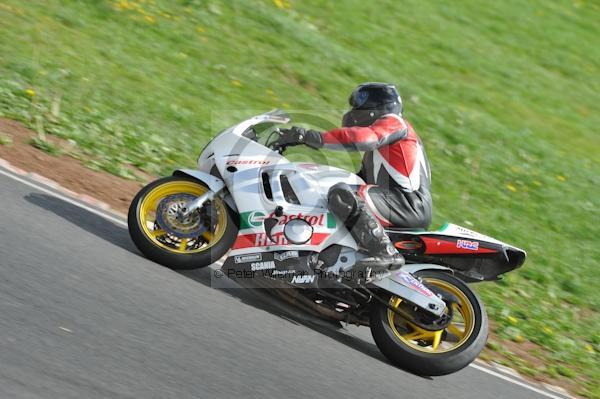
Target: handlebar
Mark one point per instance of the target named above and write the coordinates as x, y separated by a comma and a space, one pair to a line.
276, 145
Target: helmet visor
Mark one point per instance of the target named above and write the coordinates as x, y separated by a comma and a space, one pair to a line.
373, 96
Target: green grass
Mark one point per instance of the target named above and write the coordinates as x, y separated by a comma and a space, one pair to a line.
5, 140
504, 94
41, 143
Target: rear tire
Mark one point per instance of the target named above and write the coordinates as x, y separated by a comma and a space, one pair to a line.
172, 256
415, 355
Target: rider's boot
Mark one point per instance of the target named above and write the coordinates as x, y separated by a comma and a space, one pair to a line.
369, 233
365, 229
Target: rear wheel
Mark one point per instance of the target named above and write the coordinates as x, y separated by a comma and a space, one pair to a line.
433, 352
163, 236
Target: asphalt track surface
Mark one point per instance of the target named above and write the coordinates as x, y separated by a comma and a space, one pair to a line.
84, 315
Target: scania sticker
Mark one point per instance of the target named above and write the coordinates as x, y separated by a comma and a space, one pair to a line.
262, 265
285, 255
247, 258
466, 244
304, 279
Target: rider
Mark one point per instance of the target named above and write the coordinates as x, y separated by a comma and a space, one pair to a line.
394, 167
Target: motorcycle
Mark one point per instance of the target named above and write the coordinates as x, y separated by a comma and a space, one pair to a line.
268, 218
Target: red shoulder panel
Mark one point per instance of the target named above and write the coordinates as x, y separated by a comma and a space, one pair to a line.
402, 155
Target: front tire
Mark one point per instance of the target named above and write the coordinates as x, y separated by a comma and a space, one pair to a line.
199, 240
433, 352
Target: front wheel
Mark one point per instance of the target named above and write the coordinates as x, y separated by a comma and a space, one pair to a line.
158, 230
438, 352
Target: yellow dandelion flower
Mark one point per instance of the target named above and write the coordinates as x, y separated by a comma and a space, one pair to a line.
519, 338
30, 92
561, 178
279, 3
547, 330
589, 348
150, 19
124, 5
236, 83
511, 188
513, 320
200, 29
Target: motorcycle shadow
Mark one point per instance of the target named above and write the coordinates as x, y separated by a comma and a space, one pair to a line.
88, 221
265, 300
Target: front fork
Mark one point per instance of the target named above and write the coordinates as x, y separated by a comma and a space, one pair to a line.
214, 184
195, 204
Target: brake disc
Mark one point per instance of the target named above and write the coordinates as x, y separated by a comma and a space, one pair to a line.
168, 217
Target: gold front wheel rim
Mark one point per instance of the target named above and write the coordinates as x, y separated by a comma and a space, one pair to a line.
452, 337
170, 242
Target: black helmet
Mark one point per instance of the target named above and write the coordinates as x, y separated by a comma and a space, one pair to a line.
370, 101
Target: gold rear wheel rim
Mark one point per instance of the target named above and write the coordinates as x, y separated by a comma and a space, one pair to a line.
170, 242
452, 337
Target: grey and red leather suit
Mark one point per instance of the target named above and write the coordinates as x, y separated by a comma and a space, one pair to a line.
395, 168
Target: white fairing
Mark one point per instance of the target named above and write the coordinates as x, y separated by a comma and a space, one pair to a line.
247, 167
462, 232
260, 180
